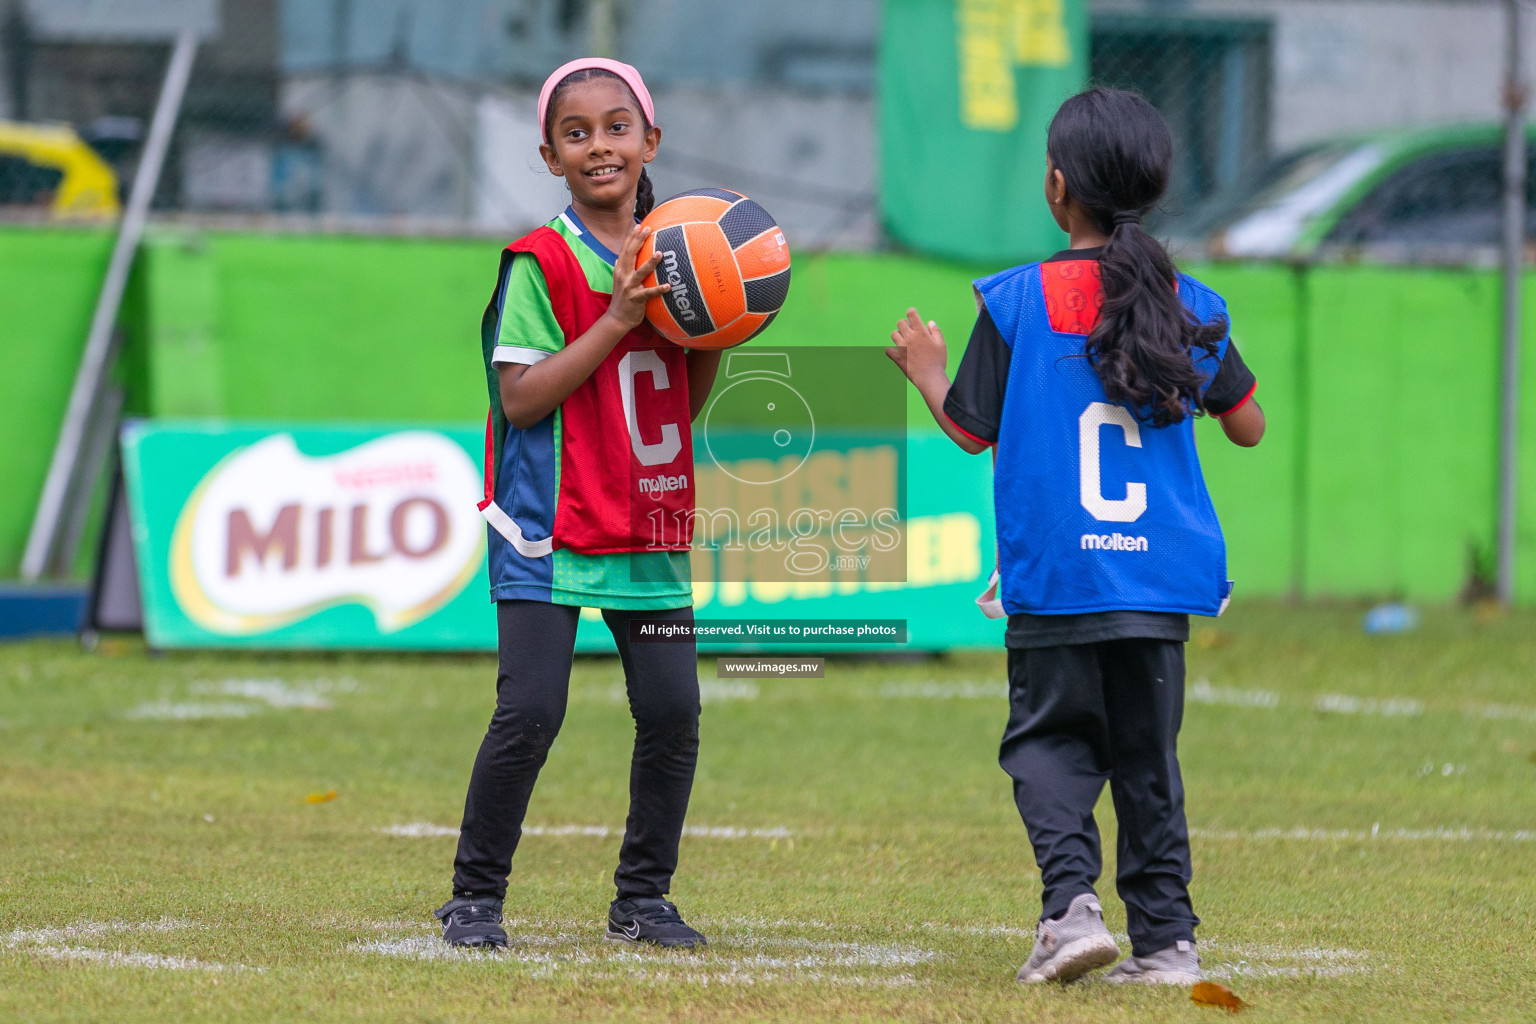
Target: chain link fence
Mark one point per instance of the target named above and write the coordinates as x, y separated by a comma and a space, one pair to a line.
417, 115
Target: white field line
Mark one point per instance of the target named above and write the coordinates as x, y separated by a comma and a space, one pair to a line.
90, 930
184, 711
751, 924
422, 947
1225, 960
426, 830
1390, 707
731, 832
995, 930
820, 953
746, 978
423, 829
1239, 960
254, 697
1375, 832
116, 958
277, 693
1501, 712
52, 943
713, 691
420, 830
936, 690
1202, 692
740, 955
733, 959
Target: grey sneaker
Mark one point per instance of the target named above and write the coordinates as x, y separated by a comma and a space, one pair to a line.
1069, 946
1177, 964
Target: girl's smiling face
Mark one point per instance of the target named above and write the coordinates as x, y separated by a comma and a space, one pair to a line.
599, 143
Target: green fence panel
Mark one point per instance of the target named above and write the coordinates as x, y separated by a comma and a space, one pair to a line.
1525, 549
1401, 394
328, 328
49, 280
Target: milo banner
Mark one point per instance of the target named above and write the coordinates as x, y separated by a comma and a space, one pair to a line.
967, 88
369, 537
323, 537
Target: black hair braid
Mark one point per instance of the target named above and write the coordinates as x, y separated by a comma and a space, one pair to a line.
645, 192
1114, 151
645, 195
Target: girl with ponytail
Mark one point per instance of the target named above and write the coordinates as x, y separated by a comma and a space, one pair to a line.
570, 436
1084, 374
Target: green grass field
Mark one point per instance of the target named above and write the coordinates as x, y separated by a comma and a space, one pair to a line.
1364, 838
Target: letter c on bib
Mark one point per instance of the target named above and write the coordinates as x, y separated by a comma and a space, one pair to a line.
1120, 510
645, 360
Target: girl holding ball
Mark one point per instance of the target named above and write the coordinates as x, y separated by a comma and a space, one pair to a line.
586, 399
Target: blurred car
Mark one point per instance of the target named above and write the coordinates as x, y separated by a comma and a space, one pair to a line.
1405, 194
48, 166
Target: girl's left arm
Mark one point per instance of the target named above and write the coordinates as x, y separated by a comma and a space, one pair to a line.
1244, 425
919, 349
703, 364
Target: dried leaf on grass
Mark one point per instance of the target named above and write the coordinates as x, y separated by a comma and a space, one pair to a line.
321, 798
1211, 639
1208, 993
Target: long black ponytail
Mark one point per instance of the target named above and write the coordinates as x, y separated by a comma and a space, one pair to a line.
645, 192
1114, 151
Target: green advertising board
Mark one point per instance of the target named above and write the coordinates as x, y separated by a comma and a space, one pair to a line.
355, 537
331, 537
967, 89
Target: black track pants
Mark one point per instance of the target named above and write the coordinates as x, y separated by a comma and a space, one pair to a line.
1079, 716
536, 641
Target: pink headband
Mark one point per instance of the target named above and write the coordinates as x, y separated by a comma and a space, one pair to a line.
630, 76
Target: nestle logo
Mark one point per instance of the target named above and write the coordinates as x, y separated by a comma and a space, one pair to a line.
679, 293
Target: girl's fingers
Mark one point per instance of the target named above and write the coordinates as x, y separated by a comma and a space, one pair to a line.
633, 242
652, 293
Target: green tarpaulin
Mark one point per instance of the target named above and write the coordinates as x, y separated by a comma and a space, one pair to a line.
967, 88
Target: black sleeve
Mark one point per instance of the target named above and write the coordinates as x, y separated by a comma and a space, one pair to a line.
1232, 385
975, 399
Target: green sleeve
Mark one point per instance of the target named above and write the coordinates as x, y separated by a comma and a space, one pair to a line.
527, 320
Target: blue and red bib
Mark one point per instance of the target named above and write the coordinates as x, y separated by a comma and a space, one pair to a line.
611, 470
1097, 510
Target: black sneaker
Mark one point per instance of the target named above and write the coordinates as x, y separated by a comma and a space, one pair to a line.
472, 921
650, 919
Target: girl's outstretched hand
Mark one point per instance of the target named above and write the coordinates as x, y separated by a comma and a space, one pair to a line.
629, 292
918, 348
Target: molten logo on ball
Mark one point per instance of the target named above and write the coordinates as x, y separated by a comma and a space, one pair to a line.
679, 292
727, 263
